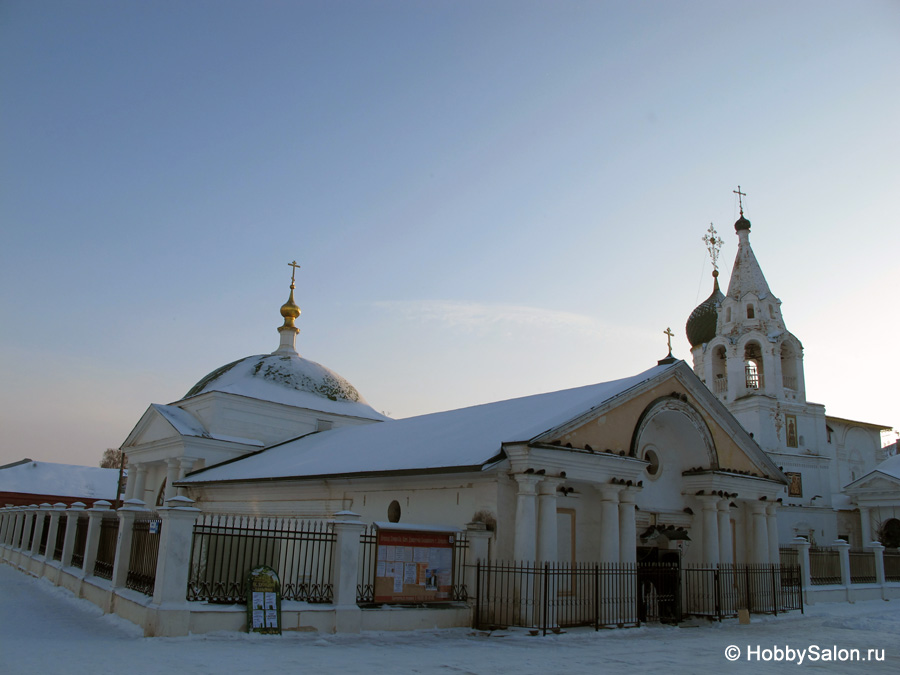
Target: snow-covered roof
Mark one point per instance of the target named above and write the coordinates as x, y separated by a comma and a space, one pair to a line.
288, 379
467, 437
188, 425
63, 480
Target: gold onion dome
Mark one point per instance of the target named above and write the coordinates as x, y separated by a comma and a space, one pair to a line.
701, 325
290, 310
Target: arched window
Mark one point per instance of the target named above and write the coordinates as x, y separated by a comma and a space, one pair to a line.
719, 370
750, 312
753, 366
789, 366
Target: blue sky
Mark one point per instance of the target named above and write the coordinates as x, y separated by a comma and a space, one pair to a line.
488, 199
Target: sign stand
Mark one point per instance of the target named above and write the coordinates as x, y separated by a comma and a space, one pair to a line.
263, 601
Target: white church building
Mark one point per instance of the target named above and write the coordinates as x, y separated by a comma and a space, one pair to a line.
744, 353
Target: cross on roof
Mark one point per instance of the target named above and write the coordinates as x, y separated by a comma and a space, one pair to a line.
668, 331
714, 245
740, 201
293, 271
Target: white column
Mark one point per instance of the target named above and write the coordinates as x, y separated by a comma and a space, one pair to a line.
129, 482
140, 482
865, 526
802, 547
547, 536
172, 468
772, 532
627, 526
760, 550
726, 545
878, 552
185, 466
710, 528
479, 542
844, 552
609, 522
525, 546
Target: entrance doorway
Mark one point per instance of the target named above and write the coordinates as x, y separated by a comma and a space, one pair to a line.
659, 584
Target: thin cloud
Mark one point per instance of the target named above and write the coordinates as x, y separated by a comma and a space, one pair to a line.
477, 316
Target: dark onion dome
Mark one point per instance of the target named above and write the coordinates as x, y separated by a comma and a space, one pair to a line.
741, 223
701, 324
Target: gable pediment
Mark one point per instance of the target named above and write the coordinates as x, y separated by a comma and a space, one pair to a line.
714, 439
874, 482
156, 426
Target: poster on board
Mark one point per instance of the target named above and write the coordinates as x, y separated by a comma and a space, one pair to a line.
413, 564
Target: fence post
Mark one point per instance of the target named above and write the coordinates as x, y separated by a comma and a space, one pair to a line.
878, 552
479, 539
5, 514
72, 516
345, 571
92, 543
26, 529
844, 551
127, 514
39, 528
802, 546
173, 566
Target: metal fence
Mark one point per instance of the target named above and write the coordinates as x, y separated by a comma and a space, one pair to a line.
558, 595
225, 548
60, 537
720, 591
45, 531
81, 529
824, 566
892, 566
106, 548
145, 535
862, 566
368, 554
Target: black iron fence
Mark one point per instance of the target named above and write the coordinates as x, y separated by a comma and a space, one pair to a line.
368, 553
141, 575
225, 548
81, 529
559, 595
862, 566
45, 531
824, 566
60, 537
720, 591
892, 565
106, 547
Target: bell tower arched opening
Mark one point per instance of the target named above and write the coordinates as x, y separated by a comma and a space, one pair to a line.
754, 377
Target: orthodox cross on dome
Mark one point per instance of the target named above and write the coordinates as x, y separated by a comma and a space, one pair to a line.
714, 245
740, 195
293, 271
669, 358
669, 333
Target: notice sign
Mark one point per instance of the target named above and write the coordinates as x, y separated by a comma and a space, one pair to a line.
263, 601
414, 566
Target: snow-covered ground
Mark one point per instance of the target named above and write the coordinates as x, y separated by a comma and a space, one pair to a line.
44, 629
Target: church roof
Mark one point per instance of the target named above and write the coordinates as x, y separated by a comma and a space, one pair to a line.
467, 437
63, 480
701, 324
746, 275
287, 378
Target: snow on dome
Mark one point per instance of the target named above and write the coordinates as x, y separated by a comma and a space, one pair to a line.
289, 379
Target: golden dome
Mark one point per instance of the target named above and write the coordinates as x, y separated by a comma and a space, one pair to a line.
290, 311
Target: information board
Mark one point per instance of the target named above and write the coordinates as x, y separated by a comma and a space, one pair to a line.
414, 566
263, 601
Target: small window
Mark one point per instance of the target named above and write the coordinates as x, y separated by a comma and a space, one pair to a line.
393, 513
728, 315
653, 468
771, 312
750, 313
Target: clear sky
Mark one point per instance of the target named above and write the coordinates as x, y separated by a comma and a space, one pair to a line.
488, 199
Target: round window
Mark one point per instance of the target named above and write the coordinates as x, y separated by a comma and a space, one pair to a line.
653, 467
394, 512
